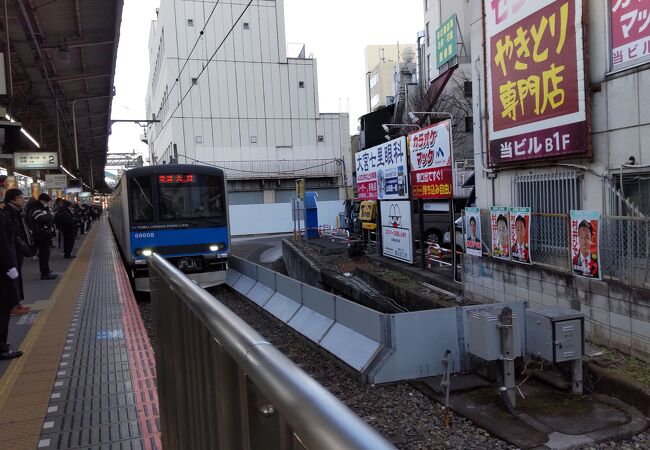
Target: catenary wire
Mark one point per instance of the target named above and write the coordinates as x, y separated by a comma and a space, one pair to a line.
171, 116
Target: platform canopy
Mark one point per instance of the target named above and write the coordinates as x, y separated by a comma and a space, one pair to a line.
63, 53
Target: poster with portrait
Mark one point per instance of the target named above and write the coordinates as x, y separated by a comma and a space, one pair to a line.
500, 227
585, 248
520, 235
473, 244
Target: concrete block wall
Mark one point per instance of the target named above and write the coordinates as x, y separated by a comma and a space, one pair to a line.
616, 315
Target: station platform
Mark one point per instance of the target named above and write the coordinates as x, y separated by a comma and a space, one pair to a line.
87, 378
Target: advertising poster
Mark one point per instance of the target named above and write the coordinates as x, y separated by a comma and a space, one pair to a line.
446, 46
500, 227
520, 235
396, 239
629, 23
382, 172
535, 80
473, 244
430, 151
585, 246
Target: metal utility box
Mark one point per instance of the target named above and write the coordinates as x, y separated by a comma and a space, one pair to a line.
485, 336
555, 333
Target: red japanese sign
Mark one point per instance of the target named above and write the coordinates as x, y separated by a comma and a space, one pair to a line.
430, 151
535, 78
630, 31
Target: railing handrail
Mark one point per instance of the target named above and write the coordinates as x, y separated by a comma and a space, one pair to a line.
319, 419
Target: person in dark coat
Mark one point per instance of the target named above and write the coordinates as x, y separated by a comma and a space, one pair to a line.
8, 283
43, 231
66, 224
13, 207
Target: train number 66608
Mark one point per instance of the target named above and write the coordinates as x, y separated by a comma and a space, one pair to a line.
144, 235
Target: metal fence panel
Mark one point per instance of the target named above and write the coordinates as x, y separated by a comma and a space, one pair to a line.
310, 324
625, 249
353, 348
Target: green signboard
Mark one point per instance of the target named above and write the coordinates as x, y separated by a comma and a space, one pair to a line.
446, 47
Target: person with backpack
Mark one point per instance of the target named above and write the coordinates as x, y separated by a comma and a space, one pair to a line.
42, 224
8, 281
67, 227
12, 208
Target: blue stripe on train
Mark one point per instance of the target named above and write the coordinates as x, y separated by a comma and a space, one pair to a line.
188, 236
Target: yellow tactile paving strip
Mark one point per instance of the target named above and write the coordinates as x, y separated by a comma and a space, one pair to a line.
27, 384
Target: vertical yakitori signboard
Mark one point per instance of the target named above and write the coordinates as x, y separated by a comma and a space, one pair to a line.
430, 152
585, 248
382, 172
629, 24
535, 80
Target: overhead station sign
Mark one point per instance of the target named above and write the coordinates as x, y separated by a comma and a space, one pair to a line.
430, 152
382, 172
535, 80
36, 160
56, 181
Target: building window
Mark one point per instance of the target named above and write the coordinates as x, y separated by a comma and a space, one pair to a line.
551, 197
190, 22
374, 101
427, 34
549, 193
635, 188
374, 80
301, 84
247, 26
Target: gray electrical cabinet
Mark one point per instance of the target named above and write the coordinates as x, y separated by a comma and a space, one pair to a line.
554, 333
484, 334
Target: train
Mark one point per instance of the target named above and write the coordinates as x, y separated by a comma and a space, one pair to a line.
178, 211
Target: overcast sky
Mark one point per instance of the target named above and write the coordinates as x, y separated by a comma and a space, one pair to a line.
336, 32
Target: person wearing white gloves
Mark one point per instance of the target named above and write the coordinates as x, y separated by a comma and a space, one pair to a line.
9, 296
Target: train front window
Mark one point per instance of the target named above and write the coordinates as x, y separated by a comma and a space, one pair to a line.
190, 196
141, 204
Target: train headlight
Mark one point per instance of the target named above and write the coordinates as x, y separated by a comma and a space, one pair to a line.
147, 252
217, 247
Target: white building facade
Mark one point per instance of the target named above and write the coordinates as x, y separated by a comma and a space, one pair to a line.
226, 94
607, 171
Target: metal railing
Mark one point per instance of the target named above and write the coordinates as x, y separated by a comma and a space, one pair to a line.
223, 386
625, 249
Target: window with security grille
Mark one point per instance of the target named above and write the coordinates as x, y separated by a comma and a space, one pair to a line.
548, 193
551, 197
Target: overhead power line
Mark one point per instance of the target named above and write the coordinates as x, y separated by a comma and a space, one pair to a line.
205, 66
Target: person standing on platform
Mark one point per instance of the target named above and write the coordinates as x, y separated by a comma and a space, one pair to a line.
42, 229
8, 282
67, 227
24, 245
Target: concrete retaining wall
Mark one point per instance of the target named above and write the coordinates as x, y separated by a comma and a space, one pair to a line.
616, 315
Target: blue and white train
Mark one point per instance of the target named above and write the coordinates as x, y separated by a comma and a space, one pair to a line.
178, 211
